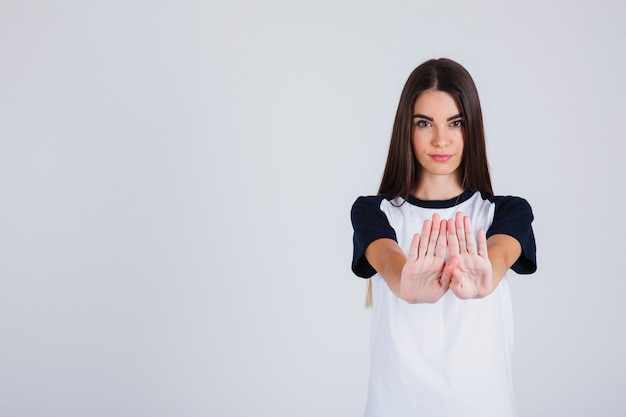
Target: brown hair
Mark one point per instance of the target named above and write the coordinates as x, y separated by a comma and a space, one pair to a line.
402, 175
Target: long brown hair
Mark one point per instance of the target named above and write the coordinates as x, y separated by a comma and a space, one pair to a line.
402, 174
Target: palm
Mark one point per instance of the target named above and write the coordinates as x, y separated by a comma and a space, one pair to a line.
421, 275
469, 269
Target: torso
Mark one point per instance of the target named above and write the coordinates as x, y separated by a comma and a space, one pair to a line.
448, 358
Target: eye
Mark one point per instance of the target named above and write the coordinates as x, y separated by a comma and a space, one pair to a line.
457, 123
422, 123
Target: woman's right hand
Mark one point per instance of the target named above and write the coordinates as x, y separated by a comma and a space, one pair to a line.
421, 279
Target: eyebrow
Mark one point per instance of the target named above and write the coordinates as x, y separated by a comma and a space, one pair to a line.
421, 116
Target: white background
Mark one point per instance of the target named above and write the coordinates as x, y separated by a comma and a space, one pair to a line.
176, 179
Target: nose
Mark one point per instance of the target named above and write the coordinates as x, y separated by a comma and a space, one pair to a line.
440, 138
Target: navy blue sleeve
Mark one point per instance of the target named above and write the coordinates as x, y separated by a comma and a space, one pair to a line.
369, 224
513, 217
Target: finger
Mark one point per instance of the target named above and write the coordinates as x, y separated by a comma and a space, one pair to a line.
453, 240
412, 256
460, 231
442, 240
482, 244
470, 240
434, 234
423, 245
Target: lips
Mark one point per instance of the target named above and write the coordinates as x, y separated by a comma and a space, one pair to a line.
441, 157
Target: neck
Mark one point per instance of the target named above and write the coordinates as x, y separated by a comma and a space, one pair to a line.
438, 189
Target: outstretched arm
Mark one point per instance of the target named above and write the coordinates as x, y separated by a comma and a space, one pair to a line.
476, 266
416, 278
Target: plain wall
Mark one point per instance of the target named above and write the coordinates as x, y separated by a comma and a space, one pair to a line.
176, 179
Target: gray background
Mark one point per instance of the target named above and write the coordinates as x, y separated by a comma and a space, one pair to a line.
176, 180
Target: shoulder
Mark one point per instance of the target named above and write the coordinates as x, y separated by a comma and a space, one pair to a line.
378, 205
367, 205
503, 199
368, 201
508, 205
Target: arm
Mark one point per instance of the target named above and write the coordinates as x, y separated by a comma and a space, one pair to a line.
503, 251
387, 258
416, 278
476, 267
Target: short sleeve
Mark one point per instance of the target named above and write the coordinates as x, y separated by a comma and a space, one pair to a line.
513, 216
369, 224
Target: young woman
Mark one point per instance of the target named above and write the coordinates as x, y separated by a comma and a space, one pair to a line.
442, 330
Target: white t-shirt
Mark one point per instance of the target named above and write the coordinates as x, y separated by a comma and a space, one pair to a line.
450, 358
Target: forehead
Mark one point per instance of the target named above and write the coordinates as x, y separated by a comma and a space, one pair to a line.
435, 102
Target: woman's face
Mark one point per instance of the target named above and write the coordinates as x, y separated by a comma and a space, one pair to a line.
438, 134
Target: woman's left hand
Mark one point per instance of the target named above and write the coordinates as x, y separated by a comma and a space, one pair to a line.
468, 268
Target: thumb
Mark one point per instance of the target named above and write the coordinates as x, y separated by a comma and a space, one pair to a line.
448, 271
456, 275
